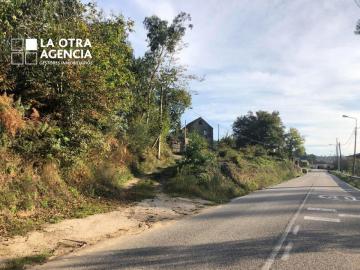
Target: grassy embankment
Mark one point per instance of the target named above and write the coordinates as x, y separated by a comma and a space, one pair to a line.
347, 178
229, 173
30, 197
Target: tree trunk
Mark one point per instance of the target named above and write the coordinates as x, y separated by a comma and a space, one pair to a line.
161, 114
150, 82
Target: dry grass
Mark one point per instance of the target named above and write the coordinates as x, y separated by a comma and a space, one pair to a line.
10, 118
50, 173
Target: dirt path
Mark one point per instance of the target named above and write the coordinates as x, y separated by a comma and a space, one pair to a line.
72, 234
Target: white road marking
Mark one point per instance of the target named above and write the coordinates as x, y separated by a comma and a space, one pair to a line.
270, 261
287, 250
330, 197
321, 209
339, 198
349, 215
296, 229
350, 198
322, 219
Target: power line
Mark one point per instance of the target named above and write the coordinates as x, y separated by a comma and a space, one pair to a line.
348, 140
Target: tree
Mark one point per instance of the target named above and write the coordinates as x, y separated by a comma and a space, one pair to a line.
162, 82
310, 157
294, 143
86, 102
357, 28
262, 128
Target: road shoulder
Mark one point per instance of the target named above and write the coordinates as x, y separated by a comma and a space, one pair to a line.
70, 235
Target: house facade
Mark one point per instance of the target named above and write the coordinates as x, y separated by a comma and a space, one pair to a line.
201, 127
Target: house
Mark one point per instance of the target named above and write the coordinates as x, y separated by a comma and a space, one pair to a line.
201, 127
323, 166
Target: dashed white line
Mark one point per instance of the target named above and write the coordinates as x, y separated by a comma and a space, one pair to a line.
296, 229
287, 250
321, 209
321, 219
349, 215
269, 262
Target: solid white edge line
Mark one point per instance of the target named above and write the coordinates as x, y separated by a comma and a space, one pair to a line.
355, 188
321, 209
269, 262
322, 219
349, 215
286, 254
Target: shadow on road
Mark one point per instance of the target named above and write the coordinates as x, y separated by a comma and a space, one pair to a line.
215, 254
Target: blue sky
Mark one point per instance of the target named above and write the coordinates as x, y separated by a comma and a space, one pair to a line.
299, 57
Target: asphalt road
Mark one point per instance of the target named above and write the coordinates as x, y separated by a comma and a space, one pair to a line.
311, 222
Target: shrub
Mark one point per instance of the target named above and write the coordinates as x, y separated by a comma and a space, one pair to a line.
149, 163
197, 152
210, 185
11, 119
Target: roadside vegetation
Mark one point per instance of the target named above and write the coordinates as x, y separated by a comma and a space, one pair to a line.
72, 136
259, 154
355, 182
21, 263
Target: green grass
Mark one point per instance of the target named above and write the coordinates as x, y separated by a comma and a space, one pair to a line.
21, 263
211, 185
232, 174
347, 178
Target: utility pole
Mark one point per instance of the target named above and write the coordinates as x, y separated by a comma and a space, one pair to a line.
185, 137
340, 155
337, 154
354, 160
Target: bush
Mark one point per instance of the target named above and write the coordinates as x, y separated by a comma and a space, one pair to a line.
11, 119
109, 179
149, 163
233, 173
197, 152
210, 185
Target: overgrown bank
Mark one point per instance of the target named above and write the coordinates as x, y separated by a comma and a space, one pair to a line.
226, 173
71, 136
355, 182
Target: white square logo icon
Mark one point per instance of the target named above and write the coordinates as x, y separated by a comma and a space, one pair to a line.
31, 44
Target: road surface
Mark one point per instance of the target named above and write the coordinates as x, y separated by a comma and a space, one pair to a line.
311, 222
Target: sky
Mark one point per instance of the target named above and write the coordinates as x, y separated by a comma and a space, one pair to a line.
298, 57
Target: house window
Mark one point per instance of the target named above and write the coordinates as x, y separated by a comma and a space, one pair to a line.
200, 122
205, 132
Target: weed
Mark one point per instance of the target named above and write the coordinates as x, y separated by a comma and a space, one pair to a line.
21, 263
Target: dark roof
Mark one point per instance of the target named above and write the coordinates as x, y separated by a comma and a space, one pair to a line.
198, 119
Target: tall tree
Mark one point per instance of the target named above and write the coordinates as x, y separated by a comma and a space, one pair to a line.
260, 128
162, 86
294, 143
